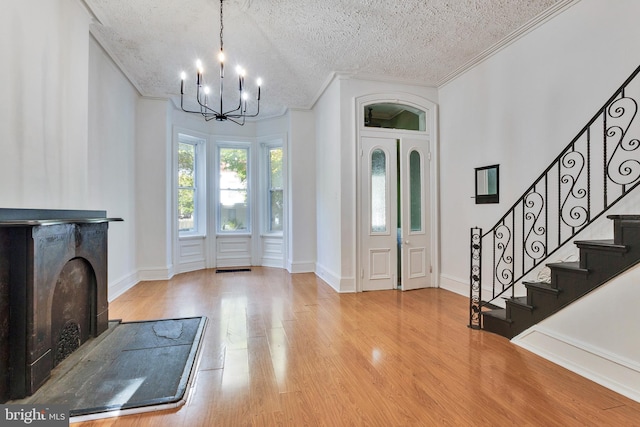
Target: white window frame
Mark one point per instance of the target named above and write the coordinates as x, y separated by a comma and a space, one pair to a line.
200, 205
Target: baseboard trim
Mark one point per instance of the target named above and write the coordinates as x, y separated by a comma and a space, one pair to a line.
148, 274
611, 371
186, 267
272, 262
461, 287
454, 285
301, 267
123, 285
328, 276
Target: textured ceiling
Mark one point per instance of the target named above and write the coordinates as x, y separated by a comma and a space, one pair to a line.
296, 45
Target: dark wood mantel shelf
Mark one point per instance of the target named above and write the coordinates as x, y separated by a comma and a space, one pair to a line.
38, 222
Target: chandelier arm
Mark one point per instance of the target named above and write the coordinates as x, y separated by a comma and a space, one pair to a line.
204, 108
247, 115
236, 121
232, 111
190, 111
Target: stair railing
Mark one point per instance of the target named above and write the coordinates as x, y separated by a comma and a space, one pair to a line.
595, 171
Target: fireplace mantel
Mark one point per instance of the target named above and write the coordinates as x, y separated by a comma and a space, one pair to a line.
53, 291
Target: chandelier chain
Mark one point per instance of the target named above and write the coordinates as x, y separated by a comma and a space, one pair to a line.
221, 27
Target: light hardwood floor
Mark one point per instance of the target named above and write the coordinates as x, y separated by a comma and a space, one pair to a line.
284, 349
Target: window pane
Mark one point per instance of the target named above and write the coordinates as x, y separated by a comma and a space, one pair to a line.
276, 210
378, 191
415, 188
186, 187
234, 216
186, 219
275, 190
394, 116
275, 167
234, 194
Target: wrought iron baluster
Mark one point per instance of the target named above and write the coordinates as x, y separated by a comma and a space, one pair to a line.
475, 297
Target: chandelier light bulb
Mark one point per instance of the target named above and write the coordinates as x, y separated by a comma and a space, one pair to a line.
221, 56
183, 76
206, 90
245, 96
259, 81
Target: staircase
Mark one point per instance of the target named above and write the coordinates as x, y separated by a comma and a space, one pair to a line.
600, 260
596, 170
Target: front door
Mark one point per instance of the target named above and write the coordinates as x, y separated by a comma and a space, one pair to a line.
394, 220
414, 233
379, 254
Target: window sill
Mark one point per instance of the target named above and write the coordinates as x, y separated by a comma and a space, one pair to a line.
279, 234
191, 236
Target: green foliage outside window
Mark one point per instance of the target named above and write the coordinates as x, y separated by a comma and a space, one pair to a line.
186, 186
235, 160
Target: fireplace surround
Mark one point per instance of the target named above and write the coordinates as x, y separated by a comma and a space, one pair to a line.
53, 291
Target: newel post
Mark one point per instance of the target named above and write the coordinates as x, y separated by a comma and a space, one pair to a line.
475, 277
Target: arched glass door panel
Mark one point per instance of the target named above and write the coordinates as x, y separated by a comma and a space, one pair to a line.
379, 195
415, 191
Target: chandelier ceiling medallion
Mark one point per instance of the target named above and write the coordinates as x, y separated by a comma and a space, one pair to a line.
236, 115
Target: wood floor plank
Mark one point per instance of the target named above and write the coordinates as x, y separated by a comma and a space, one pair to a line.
288, 350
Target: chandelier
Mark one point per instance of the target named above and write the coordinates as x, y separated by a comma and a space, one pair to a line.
236, 115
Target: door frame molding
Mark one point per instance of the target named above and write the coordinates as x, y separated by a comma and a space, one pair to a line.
431, 134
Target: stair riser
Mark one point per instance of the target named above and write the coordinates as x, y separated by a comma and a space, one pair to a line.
520, 316
566, 279
626, 232
514, 310
497, 326
591, 259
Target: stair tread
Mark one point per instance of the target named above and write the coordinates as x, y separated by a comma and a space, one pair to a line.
499, 313
544, 286
626, 217
569, 266
606, 244
521, 301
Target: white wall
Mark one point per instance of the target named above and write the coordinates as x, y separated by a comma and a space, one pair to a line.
111, 180
301, 216
520, 107
43, 104
154, 215
328, 185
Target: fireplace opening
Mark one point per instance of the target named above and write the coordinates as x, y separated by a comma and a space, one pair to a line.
73, 308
